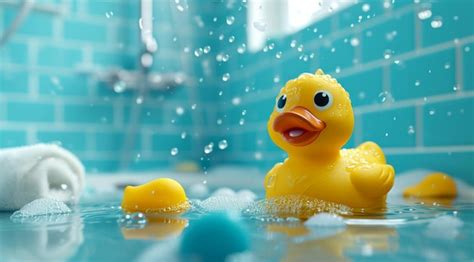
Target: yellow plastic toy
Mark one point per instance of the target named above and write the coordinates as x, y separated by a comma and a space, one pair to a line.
311, 121
434, 185
163, 195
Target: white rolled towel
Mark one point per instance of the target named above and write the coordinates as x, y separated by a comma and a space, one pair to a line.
39, 171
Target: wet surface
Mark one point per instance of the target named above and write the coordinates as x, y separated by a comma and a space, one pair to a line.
93, 231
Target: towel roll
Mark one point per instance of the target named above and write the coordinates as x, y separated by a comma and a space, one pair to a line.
39, 171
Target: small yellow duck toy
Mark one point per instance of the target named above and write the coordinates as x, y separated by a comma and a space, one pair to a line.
312, 120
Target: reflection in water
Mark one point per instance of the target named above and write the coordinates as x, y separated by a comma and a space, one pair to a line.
156, 228
43, 238
333, 244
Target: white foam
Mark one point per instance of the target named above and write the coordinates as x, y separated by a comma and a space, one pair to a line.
325, 220
223, 203
41, 207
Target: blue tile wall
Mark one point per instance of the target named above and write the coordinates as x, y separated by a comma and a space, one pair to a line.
400, 69
49, 92
411, 83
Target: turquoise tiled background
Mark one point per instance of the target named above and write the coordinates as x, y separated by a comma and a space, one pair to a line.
410, 84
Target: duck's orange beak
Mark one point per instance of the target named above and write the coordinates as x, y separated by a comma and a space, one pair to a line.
298, 126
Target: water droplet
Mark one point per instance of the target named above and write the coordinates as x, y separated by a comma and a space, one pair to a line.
220, 93
278, 54
198, 52
260, 25
230, 20
417, 83
354, 41
225, 77
333, 50
206, 49
231, 39
242, 121
424, 14
241, 49
432, 112
180, 8
386, 134
271, 46
179, 110
119, 86
64, 186
244, 112
293, 43
139, 100
467, 49
276, 79
183, 135
236, 101
174, 151
109, 14
411, 130
193, 106
258, 155
385, 97
219, 121
223, 144
208, 148
387, 54
300, 48
447, 66
437, 22
366, 8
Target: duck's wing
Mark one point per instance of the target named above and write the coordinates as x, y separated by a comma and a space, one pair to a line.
372, 150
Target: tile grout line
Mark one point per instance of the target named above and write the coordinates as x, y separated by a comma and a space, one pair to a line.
419, 125
459, 62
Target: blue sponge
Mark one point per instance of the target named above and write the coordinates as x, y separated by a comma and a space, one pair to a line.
212, 238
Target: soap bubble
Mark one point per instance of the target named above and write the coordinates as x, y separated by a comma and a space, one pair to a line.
133, 220
225, 77
174, 151
223, 144
230, 20
41, 207
437, 22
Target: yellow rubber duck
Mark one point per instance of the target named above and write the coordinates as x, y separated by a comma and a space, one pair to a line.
162, 195
311, 121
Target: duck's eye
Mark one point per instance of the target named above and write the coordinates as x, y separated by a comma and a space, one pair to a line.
322, 100
281, 102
